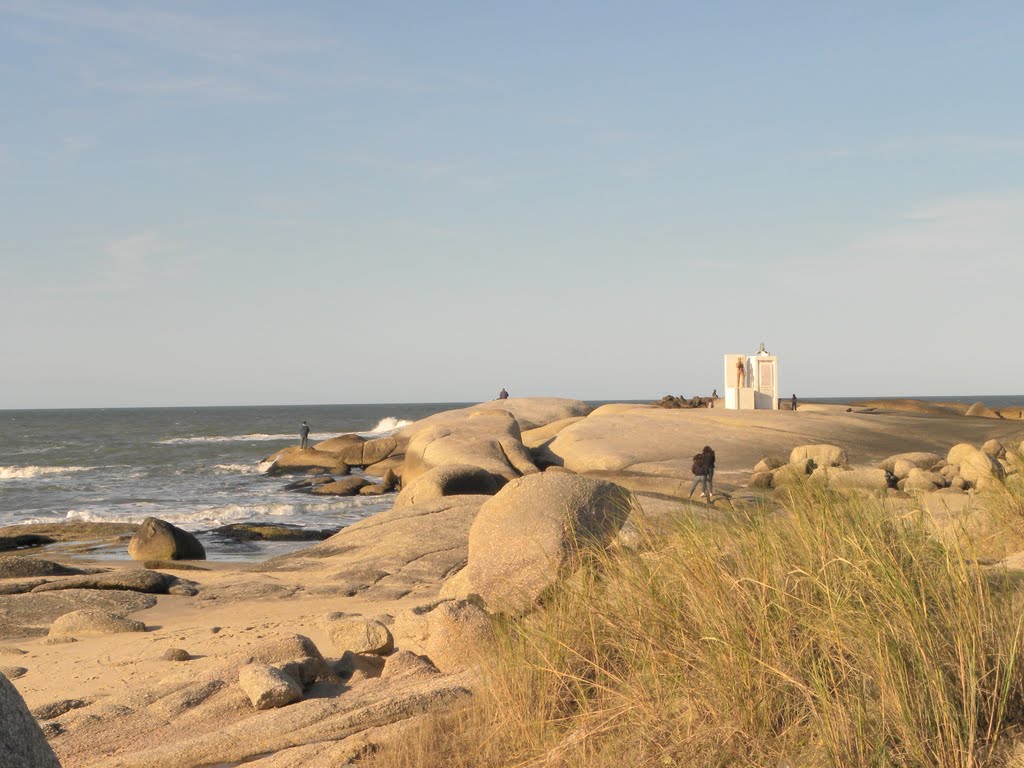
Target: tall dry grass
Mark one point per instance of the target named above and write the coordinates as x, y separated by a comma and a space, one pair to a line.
831, 633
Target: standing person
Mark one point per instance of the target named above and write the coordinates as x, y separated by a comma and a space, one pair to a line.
709, 466
503, 395
700, 476
792, 403
304, 435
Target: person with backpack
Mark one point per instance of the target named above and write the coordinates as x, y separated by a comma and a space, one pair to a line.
703, 472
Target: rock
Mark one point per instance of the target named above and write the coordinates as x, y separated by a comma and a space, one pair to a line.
22, 743
32, 614
337, 444
176, 654
923, 481
272, 532
864, 479
974, 464
392, 463
13, 673
348, 487
488, 439
980, 409
400, 549
358, 635
17, 567
89, 622
390, 480
822, 455
295, 655
454, 634
457, 586
359, 666
535, 438
295, 460
1012, 412
761, 480
993, 448
449, 480
767, 464
527, 535
313, 481
406, 664
919, 459
377, 489
57, 708
958, 483
268, 687
150, 582
791, 473
159, 540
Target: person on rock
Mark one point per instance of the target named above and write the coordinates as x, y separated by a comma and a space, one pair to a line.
304, 435
503, 395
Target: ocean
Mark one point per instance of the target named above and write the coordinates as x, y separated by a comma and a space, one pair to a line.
198, 468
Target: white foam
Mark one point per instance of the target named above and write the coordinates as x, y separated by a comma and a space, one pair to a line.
24, 473
242, 469
386, 426
254, 437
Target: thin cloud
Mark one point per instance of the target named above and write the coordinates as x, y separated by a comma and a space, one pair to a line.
928, 144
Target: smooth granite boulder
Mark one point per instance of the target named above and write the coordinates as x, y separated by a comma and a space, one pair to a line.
449, 480
488, 439
975, 465
159, 540
295, 460
531, 532
90, 622
822, 455
981, 410
22, 743
268, 687
919, 459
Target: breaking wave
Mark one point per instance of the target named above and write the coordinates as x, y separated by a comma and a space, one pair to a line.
386, 426
256, 437
23, 473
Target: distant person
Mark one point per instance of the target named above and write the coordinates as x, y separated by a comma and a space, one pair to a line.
503, 395
703, 473
792, 403
304, 435
714, 394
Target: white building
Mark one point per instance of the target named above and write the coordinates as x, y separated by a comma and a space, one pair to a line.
752, 381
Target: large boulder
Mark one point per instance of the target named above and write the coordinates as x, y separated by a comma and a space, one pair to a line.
358, 635
22, 743
858, 479
975, 465
159, 540
526, 536
339, 443
449, 480
822, 455
923, 481
486, 438
454, 634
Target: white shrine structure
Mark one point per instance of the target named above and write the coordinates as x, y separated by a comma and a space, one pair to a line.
752, 381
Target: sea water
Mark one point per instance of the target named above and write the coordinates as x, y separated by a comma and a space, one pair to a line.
198, 468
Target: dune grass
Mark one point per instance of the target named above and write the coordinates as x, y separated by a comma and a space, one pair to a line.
831, 633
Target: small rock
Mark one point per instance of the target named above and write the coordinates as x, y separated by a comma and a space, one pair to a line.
93, 621
268, 687
348, 487
176, 654
767, 464
57, 708
358, 635
407, 664
13, 673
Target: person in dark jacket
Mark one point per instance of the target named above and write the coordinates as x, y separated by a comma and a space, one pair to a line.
792, 403
503, 395
703, 473
304, 435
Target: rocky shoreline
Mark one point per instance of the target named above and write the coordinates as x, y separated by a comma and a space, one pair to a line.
314, 657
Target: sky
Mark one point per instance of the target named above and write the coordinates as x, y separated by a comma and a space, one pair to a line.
248, 202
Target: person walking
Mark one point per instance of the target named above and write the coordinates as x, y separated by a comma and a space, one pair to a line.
702, 468
709, 465
304, 435
792, 403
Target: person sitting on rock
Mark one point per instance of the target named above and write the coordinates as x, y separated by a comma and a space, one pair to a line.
304, 435
503, 395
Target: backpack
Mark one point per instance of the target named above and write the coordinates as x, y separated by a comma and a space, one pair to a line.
698, 464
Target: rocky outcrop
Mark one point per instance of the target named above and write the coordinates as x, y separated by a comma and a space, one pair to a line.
975, 465
535, 438
151, 582
453, 634
527, 536
159, 540
908, 461
981, 410
294, 460
448, 480
393, 552
13, 567
358, 635
680, 401
489, 439
22, 743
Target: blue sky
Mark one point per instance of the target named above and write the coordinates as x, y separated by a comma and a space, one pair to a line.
321, 202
